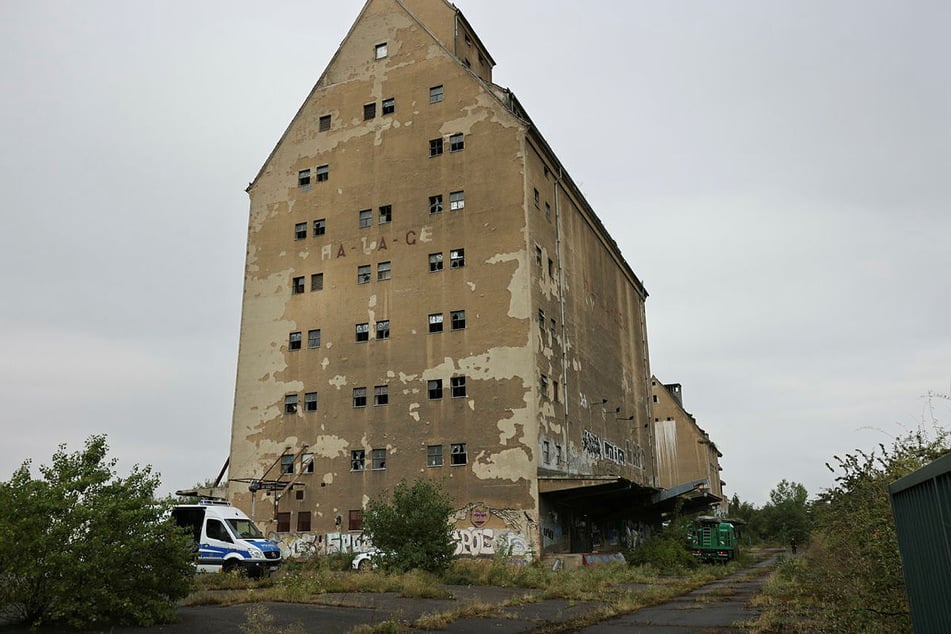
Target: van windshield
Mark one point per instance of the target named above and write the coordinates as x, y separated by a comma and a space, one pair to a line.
245, 529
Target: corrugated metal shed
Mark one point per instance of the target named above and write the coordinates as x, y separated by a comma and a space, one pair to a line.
921, 502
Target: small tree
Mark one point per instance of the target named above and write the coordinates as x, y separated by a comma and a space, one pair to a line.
412, 530
788, 514
82, 547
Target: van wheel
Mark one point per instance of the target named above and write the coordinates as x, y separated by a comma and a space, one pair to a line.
365, 565
230, 566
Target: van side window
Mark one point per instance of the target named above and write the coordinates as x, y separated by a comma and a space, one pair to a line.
216, 530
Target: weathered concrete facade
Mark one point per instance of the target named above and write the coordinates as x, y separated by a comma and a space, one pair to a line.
685, 453
427, 294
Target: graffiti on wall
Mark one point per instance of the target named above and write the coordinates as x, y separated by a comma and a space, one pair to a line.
481, 542
347, 543
297, 545
590, 443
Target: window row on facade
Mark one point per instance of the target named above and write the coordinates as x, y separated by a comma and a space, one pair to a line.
455, 142
387, 106
381, 328
381, 395
435, 457
384, 215
384, 271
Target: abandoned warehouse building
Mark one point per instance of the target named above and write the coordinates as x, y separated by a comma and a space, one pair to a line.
428, 294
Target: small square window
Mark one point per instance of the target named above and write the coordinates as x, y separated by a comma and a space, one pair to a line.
381, 395
324, 123
457, 142
380, 50
307, 463
313, 339
310, 402
300, 231
383, 271
435, 322
434, 456
303, 521
294, 341
356, 520
435, 204
458, 319
383, 329
457, 200
363, 274
323, 173
287, 463
358, 460
363, 332
369, 111
317, 282
435, 147
320, 227
359, 397
458, 454
386, 214
297, 285
389, 106
458, 386
434, 387
366, 218
457, 258
290, 404
303, 178
435, 94
379, 459
435, 262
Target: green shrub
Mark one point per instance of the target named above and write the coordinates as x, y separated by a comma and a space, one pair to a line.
667, 551
82, 547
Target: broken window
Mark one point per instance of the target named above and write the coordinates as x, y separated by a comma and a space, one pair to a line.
386, 214
303, 178
541, 320
307, 463
558, 456
543, 385
310, 402
458, 386
366, 218
369, 111
383, 329
287, 463
383, 271
381, 395
546, 452
551, 268
380, 50
359, 397
536, 196
434, 456
294, 341
317, 282
300, 231
297, 285
457, 142
358, 460
547, 211
434, 386
435, 262
435, 94
457, 319
363, 332
363, 274
313, 339
378, 458
435, 204
290, 404
320, 227
324, 123
389, 106
538, 255
435, 322
457, 258
457, 200
458, 454
323, 173
435, 147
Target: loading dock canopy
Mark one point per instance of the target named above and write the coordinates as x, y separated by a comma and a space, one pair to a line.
596, 494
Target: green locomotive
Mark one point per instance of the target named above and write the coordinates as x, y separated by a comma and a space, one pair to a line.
712, 539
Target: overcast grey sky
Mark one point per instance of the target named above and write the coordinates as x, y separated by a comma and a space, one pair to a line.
777, 173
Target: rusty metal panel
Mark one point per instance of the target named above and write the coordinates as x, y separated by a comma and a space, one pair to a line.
921, 503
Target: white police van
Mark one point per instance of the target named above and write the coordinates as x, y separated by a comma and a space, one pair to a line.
227, 539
